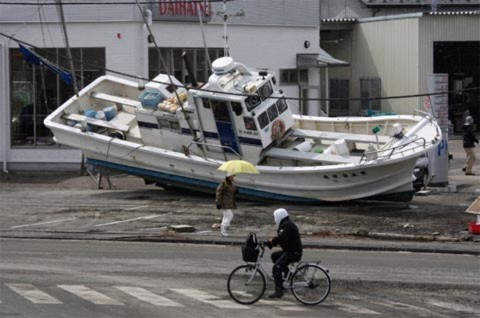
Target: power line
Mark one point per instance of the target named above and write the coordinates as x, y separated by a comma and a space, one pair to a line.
108, 2
239, 94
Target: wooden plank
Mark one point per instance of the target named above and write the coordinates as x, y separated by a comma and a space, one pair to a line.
305, 133
309, 156
96, 122
115, 99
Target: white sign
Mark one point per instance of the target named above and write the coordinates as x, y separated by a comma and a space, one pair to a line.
438, 157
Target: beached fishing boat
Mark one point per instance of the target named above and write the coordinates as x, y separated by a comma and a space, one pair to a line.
173, 135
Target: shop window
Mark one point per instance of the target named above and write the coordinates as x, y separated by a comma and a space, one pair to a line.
174, 65
339, 88
36, 91
370, 88
293, 76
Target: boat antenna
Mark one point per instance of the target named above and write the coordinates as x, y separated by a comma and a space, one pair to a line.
225, 16
225, 34
163, 64
67, 44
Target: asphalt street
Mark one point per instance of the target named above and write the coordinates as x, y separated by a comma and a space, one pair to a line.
57, 278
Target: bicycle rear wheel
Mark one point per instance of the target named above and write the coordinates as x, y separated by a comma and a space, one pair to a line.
310, 284
246, 285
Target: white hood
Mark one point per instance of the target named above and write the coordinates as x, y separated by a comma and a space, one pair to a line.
279, 215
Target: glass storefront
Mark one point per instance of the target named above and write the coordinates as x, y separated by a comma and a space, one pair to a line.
175, 65
36, 91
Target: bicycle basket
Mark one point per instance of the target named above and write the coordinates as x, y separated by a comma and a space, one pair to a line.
250, 254
250, 250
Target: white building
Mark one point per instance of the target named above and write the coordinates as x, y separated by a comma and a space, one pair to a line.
393, 46
271, 34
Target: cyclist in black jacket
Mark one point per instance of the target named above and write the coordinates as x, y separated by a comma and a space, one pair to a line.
288, 237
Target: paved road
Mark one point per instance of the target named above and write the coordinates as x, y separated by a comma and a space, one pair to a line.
54, 278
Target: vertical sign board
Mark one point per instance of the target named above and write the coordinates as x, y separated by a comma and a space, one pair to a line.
438, 83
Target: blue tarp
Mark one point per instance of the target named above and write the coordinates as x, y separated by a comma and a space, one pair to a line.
33, 58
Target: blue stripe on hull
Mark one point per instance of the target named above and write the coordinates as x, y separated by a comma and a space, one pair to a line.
209, 186
196, 184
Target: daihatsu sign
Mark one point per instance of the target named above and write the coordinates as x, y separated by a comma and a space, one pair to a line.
181, 10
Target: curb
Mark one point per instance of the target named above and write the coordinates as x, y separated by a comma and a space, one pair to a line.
360, 244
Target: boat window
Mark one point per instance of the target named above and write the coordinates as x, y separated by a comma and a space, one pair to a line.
272, 112
174, 125
237, 108
263, 120
252, 102
265, 91
206, 103
163, 123
220, 110
249, 123
282, 105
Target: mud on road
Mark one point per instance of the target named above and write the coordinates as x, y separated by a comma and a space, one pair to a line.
30, 197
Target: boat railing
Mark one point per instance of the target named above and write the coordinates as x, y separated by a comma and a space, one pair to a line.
423, 114
387, 153
199, 144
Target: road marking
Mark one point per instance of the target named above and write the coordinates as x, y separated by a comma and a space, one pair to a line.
137, 207
451, 306
354, 309
276, 302
292, 308
41, 223
148, 296
33, 294
209, 299
90, 295
148, 217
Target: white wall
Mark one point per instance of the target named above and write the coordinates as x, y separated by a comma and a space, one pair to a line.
387, 49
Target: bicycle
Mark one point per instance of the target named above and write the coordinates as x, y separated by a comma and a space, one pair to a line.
309, 282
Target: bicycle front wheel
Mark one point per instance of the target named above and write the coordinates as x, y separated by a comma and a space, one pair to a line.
310, 284
246, 285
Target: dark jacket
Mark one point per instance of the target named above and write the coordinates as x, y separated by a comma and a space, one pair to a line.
469, 138
288, 236
225, 195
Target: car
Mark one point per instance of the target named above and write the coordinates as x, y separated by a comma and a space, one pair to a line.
421, 172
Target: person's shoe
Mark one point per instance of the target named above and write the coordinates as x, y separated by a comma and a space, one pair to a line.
469, 174
276, 294
463, 169
224, 234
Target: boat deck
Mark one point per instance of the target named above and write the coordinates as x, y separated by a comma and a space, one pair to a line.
310, 156
326, 135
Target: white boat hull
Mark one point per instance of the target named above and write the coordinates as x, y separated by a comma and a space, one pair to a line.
317, 183
154, 143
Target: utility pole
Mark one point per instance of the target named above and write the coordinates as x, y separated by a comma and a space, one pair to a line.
67, 44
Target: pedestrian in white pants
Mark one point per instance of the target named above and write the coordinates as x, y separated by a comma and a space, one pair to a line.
225, 200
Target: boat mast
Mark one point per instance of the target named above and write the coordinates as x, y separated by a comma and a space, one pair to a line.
67, 44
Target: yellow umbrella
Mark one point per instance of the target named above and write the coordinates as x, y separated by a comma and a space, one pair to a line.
238, 166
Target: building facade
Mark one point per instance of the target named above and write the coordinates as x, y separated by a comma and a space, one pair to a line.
113, 39
393, 46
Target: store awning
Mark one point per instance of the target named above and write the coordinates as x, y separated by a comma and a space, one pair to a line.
319, 60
